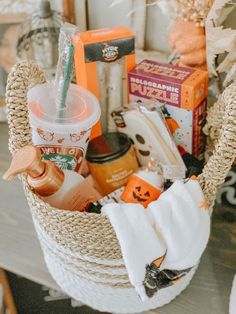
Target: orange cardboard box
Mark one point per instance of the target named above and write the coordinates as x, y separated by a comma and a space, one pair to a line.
177, 86
101, 45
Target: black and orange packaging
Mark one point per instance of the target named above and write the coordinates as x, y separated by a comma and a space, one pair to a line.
101, 45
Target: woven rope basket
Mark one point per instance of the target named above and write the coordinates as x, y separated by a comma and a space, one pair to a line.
81, 249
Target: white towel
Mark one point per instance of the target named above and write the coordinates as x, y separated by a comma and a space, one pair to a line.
176, 226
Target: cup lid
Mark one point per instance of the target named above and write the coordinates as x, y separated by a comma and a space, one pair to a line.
82, 109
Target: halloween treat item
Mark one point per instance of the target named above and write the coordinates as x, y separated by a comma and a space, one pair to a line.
111, 160
106, 45
177, 86
143, 187
182, 92
189, 41
145, 125
63, 142
61, 189
115, 93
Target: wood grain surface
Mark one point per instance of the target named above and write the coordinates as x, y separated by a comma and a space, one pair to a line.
208, 292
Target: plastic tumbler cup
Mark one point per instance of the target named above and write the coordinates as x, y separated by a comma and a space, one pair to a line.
62, 135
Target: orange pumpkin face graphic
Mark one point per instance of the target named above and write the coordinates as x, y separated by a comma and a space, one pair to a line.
139, 191
139, 195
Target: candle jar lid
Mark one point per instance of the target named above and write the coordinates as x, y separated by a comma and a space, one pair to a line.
108, 147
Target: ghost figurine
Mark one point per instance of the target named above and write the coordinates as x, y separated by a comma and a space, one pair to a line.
150, 137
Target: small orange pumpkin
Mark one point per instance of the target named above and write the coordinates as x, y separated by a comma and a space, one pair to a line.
189, 41
139, 191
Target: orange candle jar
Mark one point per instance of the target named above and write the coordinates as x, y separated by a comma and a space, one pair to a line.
111, 160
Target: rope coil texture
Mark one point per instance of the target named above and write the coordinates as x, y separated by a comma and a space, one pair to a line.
81, 249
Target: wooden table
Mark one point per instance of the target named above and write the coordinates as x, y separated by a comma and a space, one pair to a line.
20, 252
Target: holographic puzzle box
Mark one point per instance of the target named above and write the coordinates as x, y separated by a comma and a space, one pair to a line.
182, 93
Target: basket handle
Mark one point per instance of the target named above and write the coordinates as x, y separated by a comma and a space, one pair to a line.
22, 77
26, 74
224, 153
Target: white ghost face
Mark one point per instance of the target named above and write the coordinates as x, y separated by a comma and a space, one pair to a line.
142, 147
145, 137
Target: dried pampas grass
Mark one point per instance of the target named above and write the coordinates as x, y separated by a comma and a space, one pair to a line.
181, 10
221, 42
193, 10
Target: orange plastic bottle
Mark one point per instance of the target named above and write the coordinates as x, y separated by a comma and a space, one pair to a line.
61, 189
